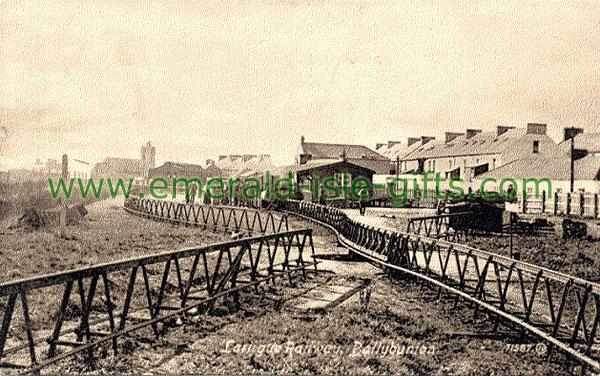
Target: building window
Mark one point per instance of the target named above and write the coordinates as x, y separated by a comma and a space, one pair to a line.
493, 163
339, 179
433, 164
536, 147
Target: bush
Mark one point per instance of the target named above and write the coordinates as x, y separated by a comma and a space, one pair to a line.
16, 198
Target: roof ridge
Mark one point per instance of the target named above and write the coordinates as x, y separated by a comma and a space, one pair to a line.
336, 144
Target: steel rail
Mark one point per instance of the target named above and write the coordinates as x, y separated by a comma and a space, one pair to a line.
437, 225
218, 216
172, 314
464, 249
45, 280
566, 313
213, 271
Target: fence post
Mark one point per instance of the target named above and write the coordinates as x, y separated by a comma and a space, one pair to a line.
524, 203
582, 203
555, 209
595, 205
543, 201
568, 204
63, 209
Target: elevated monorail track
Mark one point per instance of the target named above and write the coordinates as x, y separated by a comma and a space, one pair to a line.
561, 310
98, 305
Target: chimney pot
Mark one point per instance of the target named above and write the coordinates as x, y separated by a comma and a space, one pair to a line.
536, 128
500, 130
472, 132
451, 136
304, 158
572, 132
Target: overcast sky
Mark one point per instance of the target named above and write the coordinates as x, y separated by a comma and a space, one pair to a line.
99, 78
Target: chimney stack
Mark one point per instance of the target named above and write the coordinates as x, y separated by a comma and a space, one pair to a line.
572, 132
221, 157
210, 162
304, 158
500, 130
472, 132
426, 139
413, 140
536, 128
379, 145
451, 136
392, 143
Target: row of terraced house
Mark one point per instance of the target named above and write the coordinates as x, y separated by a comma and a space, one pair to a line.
508, 152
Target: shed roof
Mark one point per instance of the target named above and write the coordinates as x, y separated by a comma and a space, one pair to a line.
334, 151
312, 165
177, 169
583, 141
553, 168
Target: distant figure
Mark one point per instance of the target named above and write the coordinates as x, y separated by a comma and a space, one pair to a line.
298, 195
510, 191
361, 201
192, 194
264, 203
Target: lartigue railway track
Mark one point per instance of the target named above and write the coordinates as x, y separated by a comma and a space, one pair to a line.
144, 292
559, 309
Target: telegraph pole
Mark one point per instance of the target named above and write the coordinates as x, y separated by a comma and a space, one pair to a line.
572, 163
65, 177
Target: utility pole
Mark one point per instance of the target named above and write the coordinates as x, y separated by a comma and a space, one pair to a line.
572, 163
63, 209
397, 165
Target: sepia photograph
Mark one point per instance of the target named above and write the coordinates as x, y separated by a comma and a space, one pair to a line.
286, 187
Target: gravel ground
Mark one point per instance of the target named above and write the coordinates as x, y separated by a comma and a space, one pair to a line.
264, 336
400, 314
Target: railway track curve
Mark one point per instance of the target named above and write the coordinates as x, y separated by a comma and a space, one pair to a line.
145, 292
562, 310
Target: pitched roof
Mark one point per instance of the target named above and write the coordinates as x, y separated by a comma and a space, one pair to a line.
121, 165
311, 165
481, 143
513, 144
398, 150
177, 169
334, 151
583, 141
554, 168
211, 170
256, 165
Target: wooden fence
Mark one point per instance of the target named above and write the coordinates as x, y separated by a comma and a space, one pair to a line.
561, 203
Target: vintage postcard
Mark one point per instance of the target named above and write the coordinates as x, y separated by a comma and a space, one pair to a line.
299, 187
